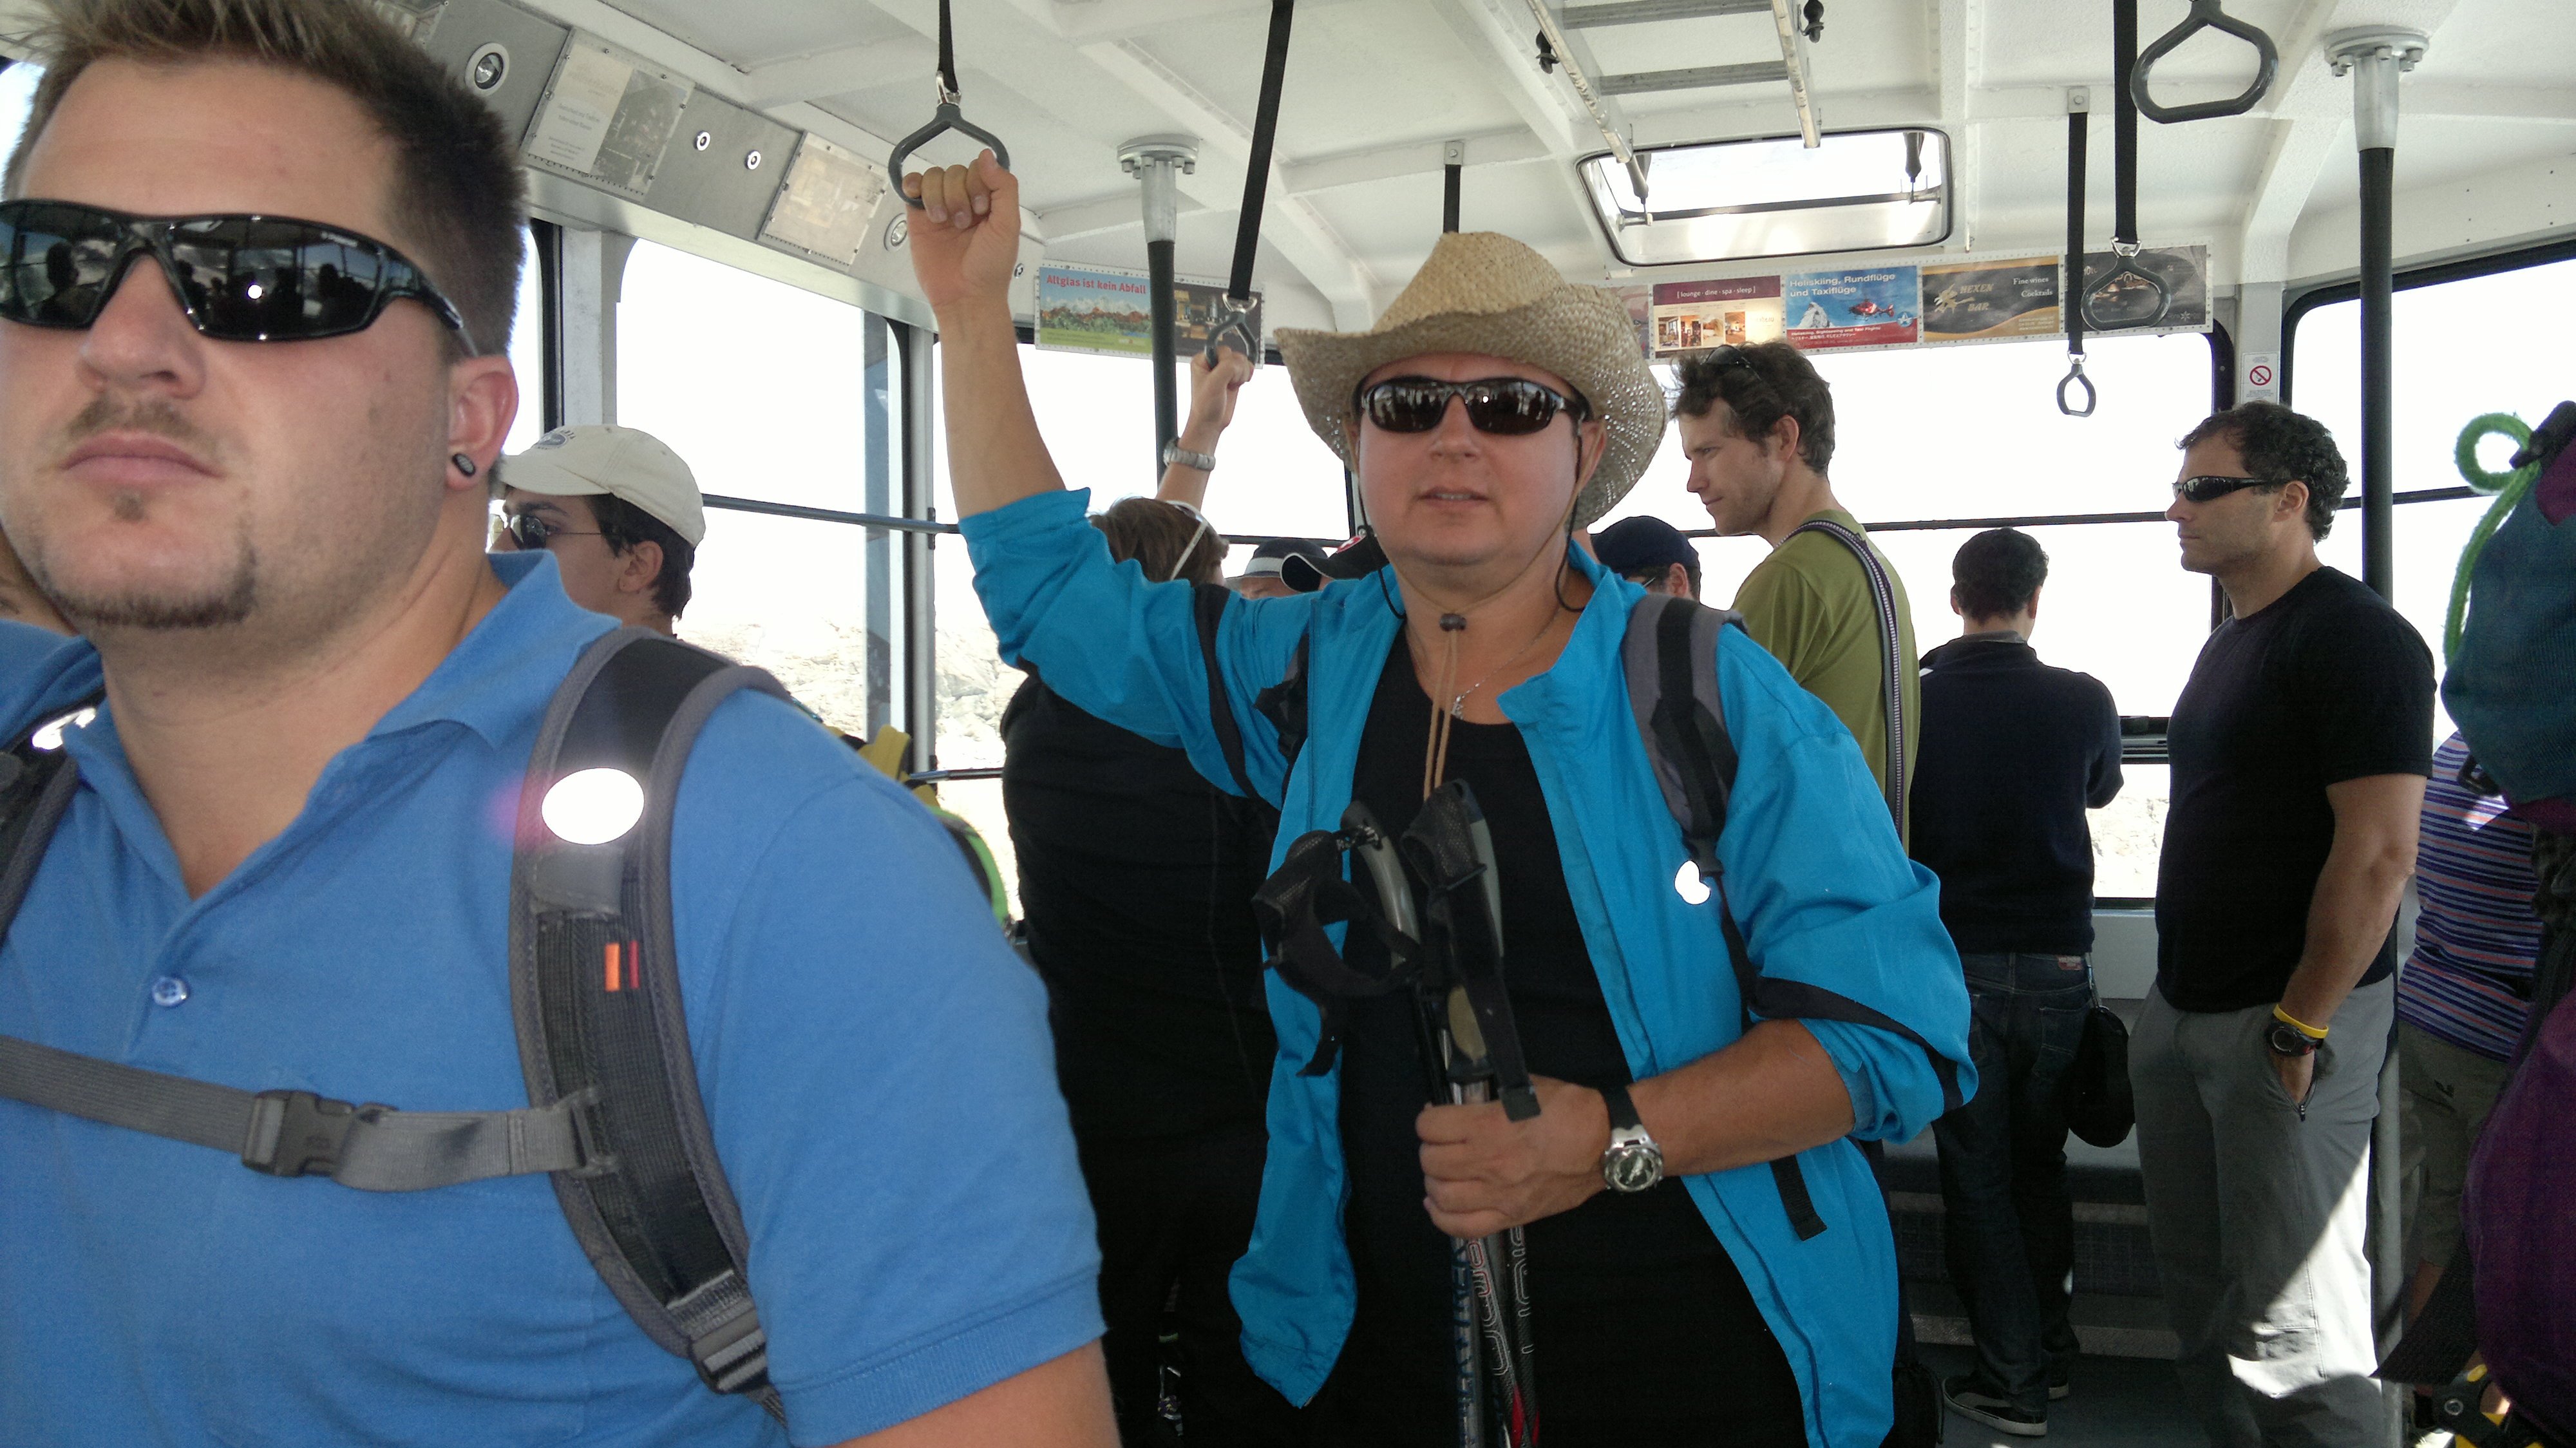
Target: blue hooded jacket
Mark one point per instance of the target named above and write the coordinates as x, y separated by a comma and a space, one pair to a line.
1820, 885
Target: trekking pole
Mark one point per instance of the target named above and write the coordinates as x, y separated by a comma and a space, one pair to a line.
1474, 1051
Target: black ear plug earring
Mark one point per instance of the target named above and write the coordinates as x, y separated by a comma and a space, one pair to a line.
463, 463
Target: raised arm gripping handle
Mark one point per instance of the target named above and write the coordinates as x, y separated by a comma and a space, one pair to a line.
1232, 327
947, 118
2205, 15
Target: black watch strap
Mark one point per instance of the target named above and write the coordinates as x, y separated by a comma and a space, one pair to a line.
1623, 1112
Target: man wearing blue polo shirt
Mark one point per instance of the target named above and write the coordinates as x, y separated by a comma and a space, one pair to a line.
286, 863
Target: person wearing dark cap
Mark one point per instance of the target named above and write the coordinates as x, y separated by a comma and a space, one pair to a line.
1279, 568
1650, 553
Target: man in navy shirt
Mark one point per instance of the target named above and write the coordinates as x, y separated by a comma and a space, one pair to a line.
2013, 753
287, 861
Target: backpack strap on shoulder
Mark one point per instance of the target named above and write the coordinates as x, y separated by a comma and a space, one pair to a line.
279, 1132
1882, 596
1283, 703
595, 993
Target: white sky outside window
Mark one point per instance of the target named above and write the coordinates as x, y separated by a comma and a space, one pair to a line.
2463, 349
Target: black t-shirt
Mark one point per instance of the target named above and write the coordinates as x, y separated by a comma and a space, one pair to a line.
2011, 755
2326, 684
1136, 877
1637, 1279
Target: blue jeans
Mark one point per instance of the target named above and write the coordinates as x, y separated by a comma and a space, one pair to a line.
2008, 1223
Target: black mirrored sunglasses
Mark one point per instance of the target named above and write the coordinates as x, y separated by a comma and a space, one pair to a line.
1505, 406
2209, 487
531, 533
238, 278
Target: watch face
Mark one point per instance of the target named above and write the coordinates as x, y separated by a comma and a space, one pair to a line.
1633, 1168
2289, 1040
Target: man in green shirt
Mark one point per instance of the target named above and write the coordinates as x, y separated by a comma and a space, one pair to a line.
1757, 424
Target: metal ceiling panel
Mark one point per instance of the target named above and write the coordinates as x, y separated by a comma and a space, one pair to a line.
723, 167
502, 52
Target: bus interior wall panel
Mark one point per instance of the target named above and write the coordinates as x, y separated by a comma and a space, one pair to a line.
723, 167
503, 53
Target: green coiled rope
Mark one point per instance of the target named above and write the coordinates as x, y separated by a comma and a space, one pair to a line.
2509, 490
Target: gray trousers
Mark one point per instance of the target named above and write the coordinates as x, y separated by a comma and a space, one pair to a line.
2258, 1217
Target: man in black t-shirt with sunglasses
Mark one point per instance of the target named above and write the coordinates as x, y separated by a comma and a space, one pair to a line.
2300, 750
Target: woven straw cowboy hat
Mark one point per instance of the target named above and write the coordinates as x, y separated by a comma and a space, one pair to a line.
1483, 292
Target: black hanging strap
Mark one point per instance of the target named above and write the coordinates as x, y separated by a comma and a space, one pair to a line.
945, 119
2124, 165
1232, 326
2078, 137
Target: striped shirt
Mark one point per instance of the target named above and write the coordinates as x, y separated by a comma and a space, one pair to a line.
2476, 937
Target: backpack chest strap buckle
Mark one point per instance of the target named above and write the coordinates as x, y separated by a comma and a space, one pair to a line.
299, 1133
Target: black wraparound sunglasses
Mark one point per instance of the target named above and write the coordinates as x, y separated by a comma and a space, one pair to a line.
238, 278
1505, 406
2209, 487
531, 533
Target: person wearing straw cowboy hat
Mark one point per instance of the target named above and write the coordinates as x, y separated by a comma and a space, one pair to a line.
1493, 410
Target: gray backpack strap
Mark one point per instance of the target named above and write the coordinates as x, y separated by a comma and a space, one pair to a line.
595, 992
1891, 683
282, 1133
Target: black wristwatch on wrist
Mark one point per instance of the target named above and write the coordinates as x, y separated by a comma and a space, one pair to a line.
2285, 1039
1633, 1162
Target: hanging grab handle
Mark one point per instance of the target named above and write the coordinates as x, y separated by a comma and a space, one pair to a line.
943, 120
2075, 378
1232, 324
2206, 15
2126, 257
2078, 126
2125, 71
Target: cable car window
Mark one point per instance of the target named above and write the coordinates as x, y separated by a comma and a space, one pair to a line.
785, 418
1729, 200
2464, 347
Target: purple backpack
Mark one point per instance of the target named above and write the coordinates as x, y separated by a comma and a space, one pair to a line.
2519, 1215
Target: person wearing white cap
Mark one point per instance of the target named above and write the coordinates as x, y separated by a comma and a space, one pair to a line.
1708, 1260
619, 511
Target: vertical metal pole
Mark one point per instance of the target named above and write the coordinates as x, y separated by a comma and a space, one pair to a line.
1453, 164
1159, 163
920, 679
2378, 368
882, 443
2374, 58
1167, 382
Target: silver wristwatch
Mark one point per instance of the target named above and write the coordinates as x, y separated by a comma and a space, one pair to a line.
1634, 1162
1173, 452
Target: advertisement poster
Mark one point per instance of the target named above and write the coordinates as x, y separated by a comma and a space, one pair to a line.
1109, 311
1735, 311
2165, 289
1976, 301
1867, 307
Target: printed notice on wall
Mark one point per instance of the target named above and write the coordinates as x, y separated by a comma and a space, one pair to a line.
1734, 311
1871, 307
1985, 300
825, 206
575, 123
1110, 311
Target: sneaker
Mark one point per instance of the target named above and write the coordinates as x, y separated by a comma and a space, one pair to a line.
1979, 1403
2061, 1381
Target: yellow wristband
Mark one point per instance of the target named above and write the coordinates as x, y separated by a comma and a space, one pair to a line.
2313, 1033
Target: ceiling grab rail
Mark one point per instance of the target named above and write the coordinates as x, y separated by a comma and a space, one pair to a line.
1232, 324
2126, 274
947, 118
1555, 53
2206, 15
2079, 108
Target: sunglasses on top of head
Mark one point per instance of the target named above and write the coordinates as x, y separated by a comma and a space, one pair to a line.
238, 278
2209, 488
1504, 406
